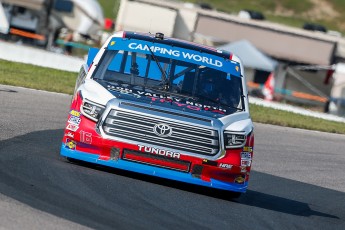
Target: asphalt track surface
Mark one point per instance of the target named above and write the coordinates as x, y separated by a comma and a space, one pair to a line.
297, 180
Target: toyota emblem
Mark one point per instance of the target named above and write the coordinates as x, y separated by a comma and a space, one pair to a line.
162, 130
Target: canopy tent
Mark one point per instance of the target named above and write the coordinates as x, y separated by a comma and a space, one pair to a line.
250, 55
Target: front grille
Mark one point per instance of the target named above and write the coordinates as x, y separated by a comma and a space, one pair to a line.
139, 128
167, 112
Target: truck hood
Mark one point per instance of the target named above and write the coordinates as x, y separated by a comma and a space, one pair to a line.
166, 100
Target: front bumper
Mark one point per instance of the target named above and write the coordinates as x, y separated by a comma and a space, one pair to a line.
152, 170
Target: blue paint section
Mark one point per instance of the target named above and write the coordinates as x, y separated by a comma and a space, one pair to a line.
177, 53
91, 55
152, 170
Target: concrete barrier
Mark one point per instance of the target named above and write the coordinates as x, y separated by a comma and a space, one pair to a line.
39, 57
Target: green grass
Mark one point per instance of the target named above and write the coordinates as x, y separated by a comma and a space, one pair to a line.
35, 77
30, 76
109, 8
276, 11
233, 6
289, 12
283, 118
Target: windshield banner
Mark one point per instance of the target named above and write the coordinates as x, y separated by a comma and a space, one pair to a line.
177, 53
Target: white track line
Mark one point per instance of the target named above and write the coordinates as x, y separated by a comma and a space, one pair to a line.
37, 90
294, 109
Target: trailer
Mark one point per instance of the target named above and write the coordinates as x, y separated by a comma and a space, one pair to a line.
210, 27
143, 17
40, 21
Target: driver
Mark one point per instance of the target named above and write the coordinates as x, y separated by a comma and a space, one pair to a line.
209, 87
214, 86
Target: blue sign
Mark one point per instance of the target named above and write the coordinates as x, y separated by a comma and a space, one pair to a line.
177, 53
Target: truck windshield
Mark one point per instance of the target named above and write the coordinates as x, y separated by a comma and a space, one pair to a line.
171, 76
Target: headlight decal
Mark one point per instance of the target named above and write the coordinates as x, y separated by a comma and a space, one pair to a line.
234, 139
92, 110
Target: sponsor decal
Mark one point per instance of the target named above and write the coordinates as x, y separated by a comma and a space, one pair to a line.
225, 166
72, 127
246, 155
176, 53
74, 120
246, 159
246, 162
162, 130
156, 97
85, 137
248, 149
158, 151
240, 179
243, 169
75, 113
70, 144
69, 134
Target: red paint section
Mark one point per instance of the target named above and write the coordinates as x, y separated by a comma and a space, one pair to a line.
150, 159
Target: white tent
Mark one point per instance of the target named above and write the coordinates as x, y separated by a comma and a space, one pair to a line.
250, 55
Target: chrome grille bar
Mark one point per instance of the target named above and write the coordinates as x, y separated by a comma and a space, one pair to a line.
149, 128
139, 118
139, 127
156, 141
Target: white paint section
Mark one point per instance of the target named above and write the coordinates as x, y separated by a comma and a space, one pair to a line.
297, 110
34, 56
4, 25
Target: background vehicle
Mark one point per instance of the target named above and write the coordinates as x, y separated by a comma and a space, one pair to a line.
40, 21
163, 107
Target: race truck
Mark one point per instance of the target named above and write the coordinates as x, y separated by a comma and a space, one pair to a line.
163, 107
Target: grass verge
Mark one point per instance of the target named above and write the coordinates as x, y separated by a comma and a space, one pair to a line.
283, 118
35, 77
30, 76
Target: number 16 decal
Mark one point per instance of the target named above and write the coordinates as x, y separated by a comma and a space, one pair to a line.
85, 137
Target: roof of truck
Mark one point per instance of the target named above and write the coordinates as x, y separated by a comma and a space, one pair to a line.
178, 42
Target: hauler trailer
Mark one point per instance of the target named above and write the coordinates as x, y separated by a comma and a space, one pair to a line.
39, 21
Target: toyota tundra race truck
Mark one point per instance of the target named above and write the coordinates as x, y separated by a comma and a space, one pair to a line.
163, 107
